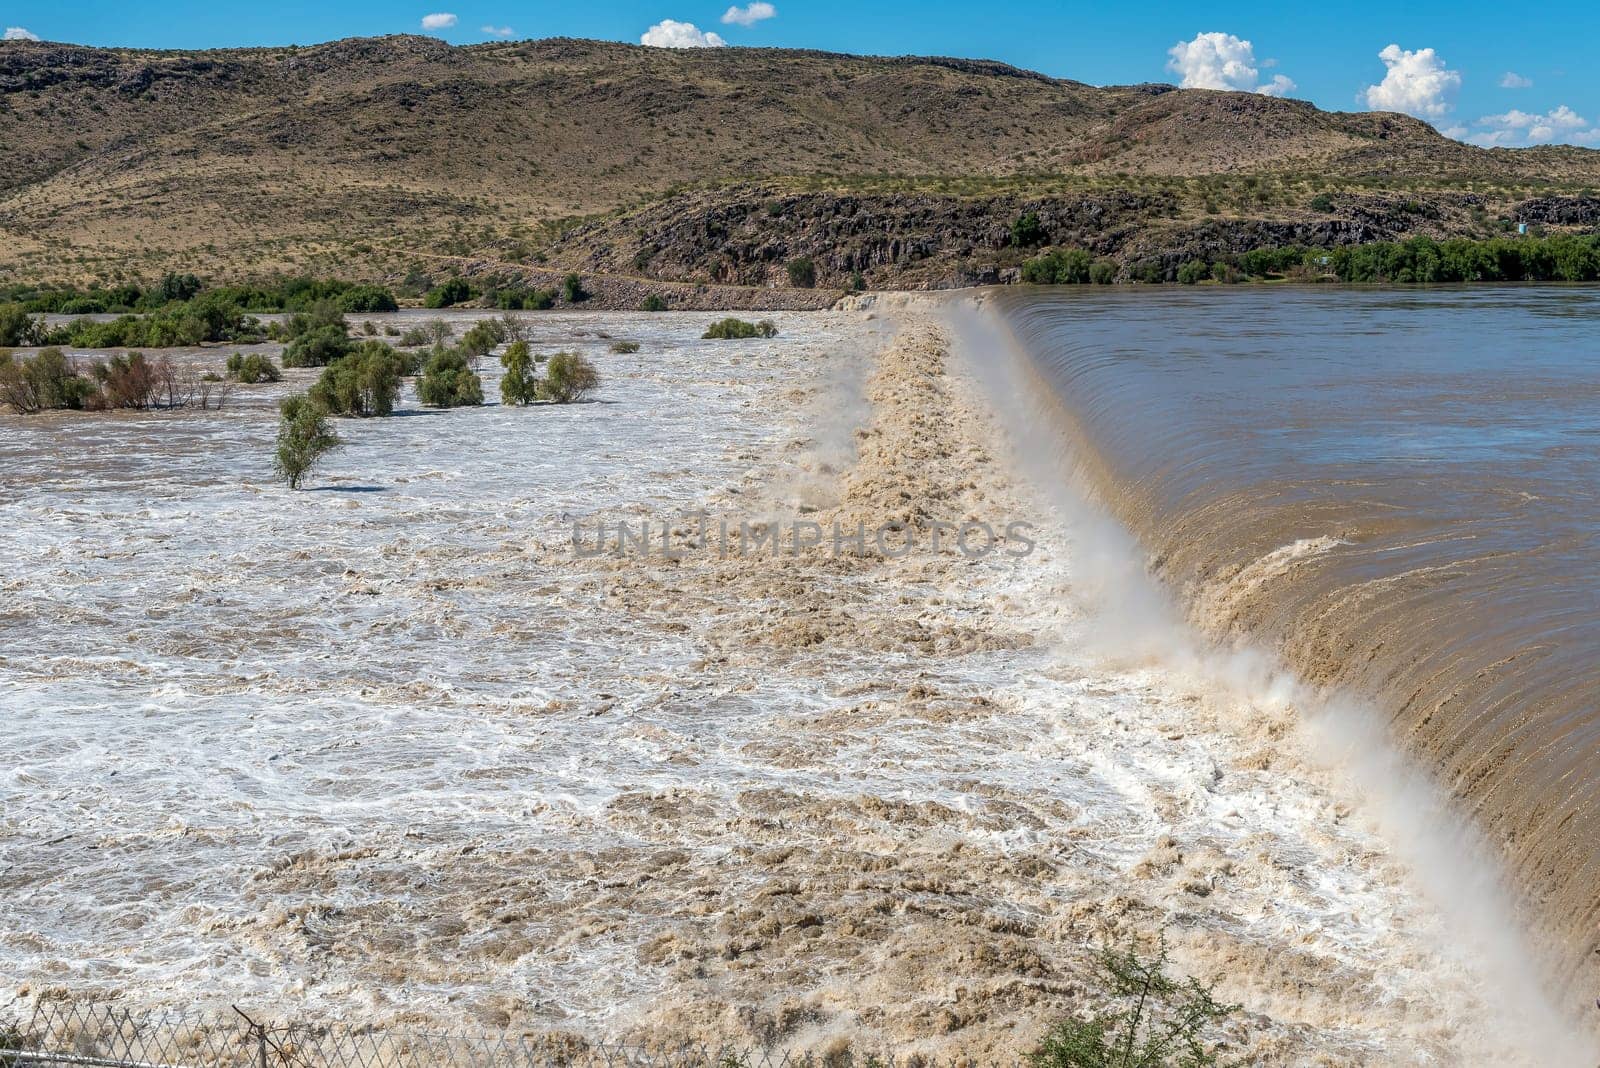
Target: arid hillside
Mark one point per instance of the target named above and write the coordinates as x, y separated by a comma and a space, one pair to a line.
375, 157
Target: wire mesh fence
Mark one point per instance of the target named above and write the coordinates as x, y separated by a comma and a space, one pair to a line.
98, 1035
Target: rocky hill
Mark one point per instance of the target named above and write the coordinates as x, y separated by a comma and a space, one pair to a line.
375, 157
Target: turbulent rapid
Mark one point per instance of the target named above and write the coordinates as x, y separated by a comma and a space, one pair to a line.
1396, 490
389, 751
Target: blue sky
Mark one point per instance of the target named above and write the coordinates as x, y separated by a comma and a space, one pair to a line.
1501, 74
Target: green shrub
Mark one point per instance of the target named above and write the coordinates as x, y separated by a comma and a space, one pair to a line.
252, 369
1102, 272
1028, 231
572, 289
857, 282
17, 327
47, 381
524, 299
1321, 202
368, 299
447, 381
318, 347
1160, 1022
802, 272
624, 348
1062, 267
1192, 271
362, 384
178, 287
520, 384
731, 329
304, 437
448, 295
569, 377
481, 339
655, 302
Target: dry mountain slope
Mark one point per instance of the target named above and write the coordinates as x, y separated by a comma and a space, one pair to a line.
354, 154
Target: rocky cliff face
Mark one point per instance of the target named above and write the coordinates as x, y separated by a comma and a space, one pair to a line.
748, 236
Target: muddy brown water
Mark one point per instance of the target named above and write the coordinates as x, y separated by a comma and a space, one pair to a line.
1398, 490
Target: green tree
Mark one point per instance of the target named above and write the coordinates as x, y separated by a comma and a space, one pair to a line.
45, 382
17, 327
655, 302
1161, 1022
448, 294
1193, 271
304, 437
1102, 272
1062, 267
731, 329
1028, 231
318, 347
520, 384
802, 272
572, 289
447, 381
362, 384
252, 368
368, 299
569, 377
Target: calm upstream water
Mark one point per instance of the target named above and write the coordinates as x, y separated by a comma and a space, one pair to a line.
1398, 490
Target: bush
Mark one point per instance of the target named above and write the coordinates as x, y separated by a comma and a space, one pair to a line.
1102, 272
520, 384
178, 287
1321, 202
572, 289
802, 272
368, 299
19, 328
482, 338
1161, 1024
624, 348
524, 299
304, 437
569, 377
1192, 271
731, 329
362, 384
655, 302
252, 369
1062, 267
128, 381
447, 382
47, 381
318, 347
1028, 231
448, 295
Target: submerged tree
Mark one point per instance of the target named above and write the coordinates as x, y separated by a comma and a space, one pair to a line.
304, 437
447, 382
520, 384
569, 377
1161, 1022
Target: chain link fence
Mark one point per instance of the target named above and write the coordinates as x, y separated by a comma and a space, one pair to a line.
63, 1034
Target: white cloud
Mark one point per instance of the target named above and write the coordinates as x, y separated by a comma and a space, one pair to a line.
17, 33
1520, 128
1417, 84
671, 34
1512, 80
1223, 61
750, 14
441, 20
502, 32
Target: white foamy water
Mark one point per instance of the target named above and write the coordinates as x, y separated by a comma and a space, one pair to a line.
379, 751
